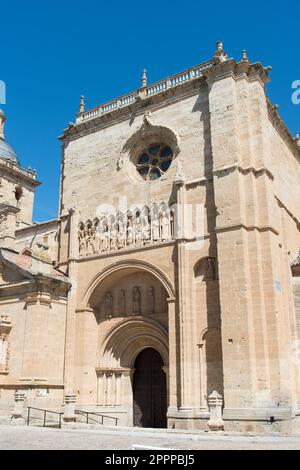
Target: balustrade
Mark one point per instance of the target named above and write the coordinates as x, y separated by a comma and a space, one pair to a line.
151, 90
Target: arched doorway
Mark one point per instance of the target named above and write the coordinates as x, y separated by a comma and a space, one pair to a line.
149, 390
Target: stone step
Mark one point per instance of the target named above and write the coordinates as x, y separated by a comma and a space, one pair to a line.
5, 420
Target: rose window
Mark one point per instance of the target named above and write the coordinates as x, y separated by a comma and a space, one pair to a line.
154, 161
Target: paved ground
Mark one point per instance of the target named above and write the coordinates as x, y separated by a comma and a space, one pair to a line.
20, 438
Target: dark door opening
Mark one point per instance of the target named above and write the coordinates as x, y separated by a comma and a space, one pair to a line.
149, 391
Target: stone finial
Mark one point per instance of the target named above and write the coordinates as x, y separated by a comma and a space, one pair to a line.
82, 105
215, 403
244, 56
219, 46
297, 139
220, 55
144, 78
2, 122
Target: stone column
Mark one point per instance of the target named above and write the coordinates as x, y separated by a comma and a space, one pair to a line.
17, 417
183, 329
203, 404
71, 305
69, 414
127, 400
109, 389
101, 388
118, 376
173, 350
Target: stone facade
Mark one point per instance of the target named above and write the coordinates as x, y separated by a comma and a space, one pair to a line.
177, 237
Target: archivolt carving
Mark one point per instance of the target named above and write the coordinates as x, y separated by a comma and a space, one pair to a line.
124, 342
133, 265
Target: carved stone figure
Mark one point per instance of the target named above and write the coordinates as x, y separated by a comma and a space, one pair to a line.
113, 237
82, 241
129, 233
88, 237
93, 239
97, 239
155, 227
138, 231
165, 227
146, 230
108, 305
164, 302
104, 238
122, 302
121, 235
136, 301
151, 300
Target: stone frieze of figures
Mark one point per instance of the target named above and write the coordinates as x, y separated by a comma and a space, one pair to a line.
119, 231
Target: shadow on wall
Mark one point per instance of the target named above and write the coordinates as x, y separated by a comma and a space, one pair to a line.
207, 268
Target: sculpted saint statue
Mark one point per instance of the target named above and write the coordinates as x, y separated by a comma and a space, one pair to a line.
121, 234
108, 305
155, 227
82, 241
165, 227
122, 302
113, 237
129, 233
138, 231
104, 238
88, 237
151, 300
136, 301
146, 230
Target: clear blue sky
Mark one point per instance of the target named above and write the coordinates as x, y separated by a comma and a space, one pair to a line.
54, 51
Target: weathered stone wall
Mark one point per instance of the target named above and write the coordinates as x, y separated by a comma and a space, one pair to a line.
42, 239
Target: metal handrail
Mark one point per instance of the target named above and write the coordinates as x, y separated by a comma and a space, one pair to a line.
88, 413
45, 415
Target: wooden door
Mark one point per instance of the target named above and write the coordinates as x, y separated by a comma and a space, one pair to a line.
149, 391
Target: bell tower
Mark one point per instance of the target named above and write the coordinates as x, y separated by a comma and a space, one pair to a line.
17, 188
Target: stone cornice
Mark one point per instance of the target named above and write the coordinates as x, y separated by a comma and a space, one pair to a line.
36, 226
295, 219
282, 129
6, 209
114, 254
9, 168
248, 228
237, 70
243, 170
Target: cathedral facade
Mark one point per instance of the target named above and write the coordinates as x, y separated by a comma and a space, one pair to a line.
167, 292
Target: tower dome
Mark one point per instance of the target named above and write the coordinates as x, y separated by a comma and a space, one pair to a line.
6, 150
